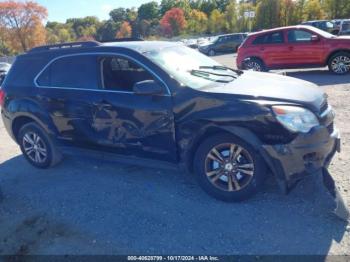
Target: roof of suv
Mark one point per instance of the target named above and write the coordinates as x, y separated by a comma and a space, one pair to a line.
139, 46
282, 28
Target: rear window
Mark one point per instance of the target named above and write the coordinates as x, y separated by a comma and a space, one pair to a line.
71, 72
272, 38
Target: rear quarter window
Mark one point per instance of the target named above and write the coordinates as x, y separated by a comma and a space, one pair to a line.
271, 38
23, 71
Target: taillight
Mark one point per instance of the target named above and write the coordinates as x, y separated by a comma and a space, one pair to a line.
2, 97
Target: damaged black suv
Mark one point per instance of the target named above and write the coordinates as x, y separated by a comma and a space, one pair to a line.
160, 102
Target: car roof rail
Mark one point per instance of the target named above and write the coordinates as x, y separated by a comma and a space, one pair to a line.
65, 46
125, 39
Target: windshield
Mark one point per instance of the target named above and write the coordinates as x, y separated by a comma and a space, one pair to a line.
180, 62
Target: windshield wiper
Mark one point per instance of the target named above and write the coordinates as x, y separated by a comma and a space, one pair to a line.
206, 75
238, 72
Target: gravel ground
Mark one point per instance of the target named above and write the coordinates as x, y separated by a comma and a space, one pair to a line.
88, 206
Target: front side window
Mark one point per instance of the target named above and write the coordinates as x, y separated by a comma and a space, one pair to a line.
121, 74
299, 36
78, 71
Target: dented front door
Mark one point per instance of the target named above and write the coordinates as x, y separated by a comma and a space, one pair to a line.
139, 125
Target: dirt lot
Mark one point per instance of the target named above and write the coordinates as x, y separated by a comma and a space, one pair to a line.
87, 206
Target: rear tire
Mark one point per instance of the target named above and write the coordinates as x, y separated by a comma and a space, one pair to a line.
339, 63
237, 178
254, 64
37, 147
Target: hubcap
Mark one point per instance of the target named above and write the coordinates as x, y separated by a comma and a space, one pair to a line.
229, 167
341, 64
34, 147
253, 66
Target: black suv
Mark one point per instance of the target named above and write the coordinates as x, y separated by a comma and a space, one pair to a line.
223, 43
160, 102
324, 25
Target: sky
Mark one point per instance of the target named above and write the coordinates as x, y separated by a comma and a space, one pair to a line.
60, 10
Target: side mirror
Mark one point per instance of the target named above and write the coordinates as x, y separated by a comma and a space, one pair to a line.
147, 87
315, 38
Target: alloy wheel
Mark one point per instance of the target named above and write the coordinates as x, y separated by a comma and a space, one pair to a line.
34, 147
341, 64
252, 65
229, 167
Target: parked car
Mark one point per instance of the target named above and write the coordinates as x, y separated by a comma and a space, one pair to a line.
4, 68
192, 43
324, 25
344, 28
223, 43
295, 47
161, 102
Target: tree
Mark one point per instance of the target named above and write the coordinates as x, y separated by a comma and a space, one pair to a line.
107, 30
198, 22
124, 31
267, 14
216, 22
148, 11
118, 15
22, 22
167, 5
173, 22
59, 33
231, 17
313, 10
84, 27
288, 14
208, 6
337, 8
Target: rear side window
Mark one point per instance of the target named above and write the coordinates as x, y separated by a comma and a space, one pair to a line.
272, 38
71, 72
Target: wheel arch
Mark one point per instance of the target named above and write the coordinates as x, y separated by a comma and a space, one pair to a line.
23, 118
254, 57
23, 111
335, 52
242, 133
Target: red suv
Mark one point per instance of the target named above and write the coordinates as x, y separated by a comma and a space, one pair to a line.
295, 47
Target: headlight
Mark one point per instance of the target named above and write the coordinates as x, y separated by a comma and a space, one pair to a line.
296, 119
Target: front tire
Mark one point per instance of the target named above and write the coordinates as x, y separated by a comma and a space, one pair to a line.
339, 63
254, 64
228, 168
37, 147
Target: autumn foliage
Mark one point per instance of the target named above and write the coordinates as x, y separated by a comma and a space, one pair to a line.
21, 24
124, 31
173, 22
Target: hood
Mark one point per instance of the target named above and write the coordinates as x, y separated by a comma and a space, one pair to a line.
272, 86
205, 45
343, 37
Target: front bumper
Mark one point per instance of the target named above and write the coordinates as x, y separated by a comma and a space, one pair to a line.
305, 155
203, 50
